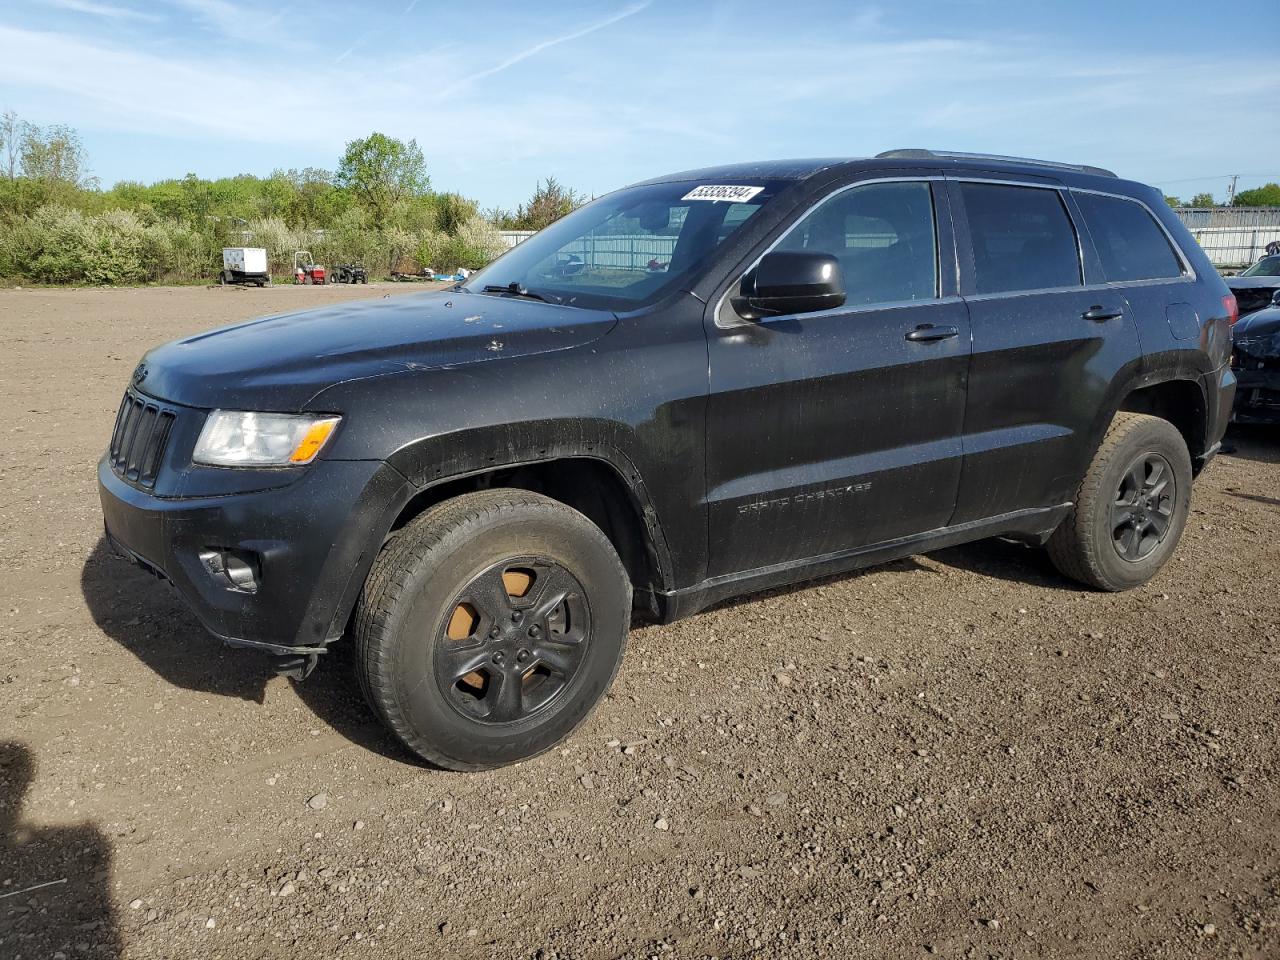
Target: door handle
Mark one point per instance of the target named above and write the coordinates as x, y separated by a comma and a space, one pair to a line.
927, 332
1100, 314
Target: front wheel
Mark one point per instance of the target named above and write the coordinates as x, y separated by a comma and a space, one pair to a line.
490, 626
1131, 506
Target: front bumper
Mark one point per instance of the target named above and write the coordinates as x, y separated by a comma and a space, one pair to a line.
313, 541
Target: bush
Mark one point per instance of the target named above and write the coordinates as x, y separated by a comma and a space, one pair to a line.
58, 226
475, 244
58, 244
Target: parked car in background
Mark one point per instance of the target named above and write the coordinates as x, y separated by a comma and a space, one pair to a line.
1255, 357
832, 364
1254, 288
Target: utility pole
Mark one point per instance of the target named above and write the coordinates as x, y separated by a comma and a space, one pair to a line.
1231, 190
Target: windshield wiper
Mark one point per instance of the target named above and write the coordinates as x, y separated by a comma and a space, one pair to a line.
513, 289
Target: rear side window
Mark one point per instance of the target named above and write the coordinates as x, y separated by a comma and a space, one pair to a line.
882, 234
1022, 238
1129, 242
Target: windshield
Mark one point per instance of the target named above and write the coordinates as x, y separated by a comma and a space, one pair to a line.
1269, 267
627, 249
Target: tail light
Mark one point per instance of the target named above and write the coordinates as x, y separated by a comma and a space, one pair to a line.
1233, 309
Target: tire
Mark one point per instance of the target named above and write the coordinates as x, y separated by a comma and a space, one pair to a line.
412, 649
1112, 539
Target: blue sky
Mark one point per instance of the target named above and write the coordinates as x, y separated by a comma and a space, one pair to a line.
499, 94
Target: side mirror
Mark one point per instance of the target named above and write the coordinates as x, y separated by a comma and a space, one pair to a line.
1275, 299
790, 281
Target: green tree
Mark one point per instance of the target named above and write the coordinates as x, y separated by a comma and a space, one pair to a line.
1202, 200
382, 172
1173, 201
54, 154
1267, 195
551, 200
11, 135
451, 211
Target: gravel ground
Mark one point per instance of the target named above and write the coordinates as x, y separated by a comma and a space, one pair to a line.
959, 755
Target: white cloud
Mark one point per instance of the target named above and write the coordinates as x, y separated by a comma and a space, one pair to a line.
680, 89
236, 21
537, 48
108, 10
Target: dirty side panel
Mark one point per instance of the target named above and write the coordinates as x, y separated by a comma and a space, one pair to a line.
635, 399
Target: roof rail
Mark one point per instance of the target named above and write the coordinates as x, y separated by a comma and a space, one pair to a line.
919, 154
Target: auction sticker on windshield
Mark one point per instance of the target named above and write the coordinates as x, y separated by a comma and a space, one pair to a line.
730, 192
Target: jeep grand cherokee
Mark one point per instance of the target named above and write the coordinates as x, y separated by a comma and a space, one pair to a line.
699, 386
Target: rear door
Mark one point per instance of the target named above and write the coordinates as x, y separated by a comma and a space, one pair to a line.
832, 430
1137, 257
1046, 348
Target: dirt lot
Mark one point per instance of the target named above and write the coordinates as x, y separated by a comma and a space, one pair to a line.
960, 754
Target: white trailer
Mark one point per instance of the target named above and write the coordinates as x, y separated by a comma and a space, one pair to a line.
244, 265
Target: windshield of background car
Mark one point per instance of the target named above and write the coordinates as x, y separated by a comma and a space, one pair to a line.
630, 248
1269, 267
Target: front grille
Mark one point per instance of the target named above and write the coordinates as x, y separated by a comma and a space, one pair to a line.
138, 441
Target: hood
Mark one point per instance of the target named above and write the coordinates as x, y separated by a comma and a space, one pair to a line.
1264, 323
279, 362
1251, 283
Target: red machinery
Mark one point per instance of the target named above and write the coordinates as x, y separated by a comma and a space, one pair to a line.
304, 270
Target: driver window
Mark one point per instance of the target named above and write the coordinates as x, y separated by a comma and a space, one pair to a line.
883, 234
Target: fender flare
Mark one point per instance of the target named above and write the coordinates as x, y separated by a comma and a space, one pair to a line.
431, 462
1122, 389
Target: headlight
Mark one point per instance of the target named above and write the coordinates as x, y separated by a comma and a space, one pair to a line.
238, 438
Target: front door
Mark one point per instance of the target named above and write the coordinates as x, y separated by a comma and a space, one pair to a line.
834, 430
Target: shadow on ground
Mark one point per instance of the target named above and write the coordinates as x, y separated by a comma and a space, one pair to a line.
54, 881
1007, 560
146, 617
1249, 441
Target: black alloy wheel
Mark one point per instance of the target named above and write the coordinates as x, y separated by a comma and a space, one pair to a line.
513, 640
1142, 513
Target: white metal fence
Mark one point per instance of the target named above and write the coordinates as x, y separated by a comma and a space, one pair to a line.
619, 252
1232, 236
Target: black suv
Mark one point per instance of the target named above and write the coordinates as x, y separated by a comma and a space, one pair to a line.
698, 386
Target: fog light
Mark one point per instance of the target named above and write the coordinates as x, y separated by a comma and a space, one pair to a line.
241, 574
235, 570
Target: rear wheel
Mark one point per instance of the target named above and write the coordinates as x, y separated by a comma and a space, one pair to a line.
490, 626
1131, 507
